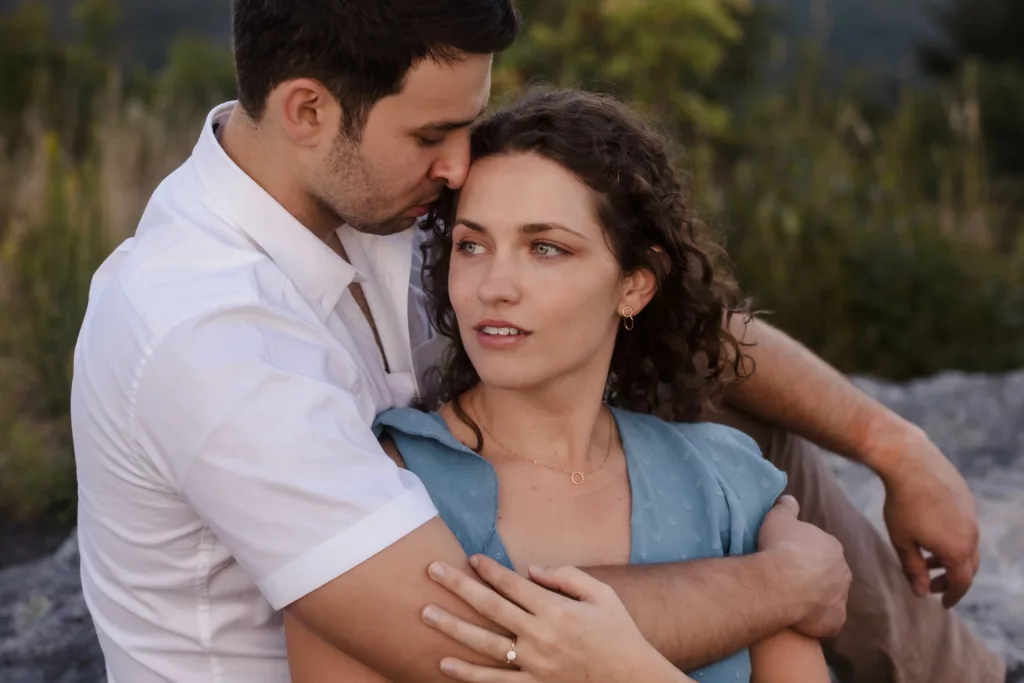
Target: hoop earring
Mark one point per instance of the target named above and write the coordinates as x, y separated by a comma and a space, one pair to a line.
627, 314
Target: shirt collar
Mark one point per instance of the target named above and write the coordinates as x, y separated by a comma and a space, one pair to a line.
320, 275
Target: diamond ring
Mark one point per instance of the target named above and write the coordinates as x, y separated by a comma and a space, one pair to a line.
510, 656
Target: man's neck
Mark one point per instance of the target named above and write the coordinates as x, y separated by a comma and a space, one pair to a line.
257, 154
250, 149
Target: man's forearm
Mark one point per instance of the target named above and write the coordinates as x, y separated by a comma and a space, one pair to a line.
696, 613
794, 389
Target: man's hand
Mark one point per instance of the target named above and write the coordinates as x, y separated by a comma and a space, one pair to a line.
928, 507
819, 559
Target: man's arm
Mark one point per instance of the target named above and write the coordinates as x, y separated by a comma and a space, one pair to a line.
692, 613
374, 611
697, 613
795, 389
928, 503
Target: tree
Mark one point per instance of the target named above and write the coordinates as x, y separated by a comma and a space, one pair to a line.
988, 30
664, 55
989, 33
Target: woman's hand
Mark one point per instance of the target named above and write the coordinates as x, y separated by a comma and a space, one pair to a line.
569, 627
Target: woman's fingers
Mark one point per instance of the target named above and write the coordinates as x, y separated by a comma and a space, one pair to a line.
482, 598
464, 671
573, 582
476, 638
516, 588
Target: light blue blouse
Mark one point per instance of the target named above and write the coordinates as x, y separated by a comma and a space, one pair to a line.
698, 491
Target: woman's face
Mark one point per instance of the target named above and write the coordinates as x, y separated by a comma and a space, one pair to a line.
534, 285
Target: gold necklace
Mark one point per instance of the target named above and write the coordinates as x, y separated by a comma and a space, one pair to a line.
577, 478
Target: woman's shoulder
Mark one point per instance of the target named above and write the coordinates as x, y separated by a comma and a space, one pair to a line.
700, 434
730, 455
414, 423
461, 483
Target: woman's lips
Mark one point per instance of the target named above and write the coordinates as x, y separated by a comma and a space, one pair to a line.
500, 336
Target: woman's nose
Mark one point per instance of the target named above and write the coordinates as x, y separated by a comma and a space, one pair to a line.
500, 282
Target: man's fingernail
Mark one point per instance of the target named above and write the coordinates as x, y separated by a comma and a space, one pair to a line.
436, 570
431, 615
474, 562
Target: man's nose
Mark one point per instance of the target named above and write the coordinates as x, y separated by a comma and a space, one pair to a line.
453, 166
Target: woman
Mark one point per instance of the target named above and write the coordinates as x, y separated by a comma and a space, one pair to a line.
580, 302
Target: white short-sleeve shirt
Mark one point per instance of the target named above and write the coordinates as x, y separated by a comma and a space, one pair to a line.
224, 387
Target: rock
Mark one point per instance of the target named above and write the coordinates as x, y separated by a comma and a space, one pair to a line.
978, 422
46, 634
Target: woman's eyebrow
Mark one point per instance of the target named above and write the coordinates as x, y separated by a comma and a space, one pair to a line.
528, 228
475, 227
533, 228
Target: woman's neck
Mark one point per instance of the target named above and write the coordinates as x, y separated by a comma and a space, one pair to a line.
564, 428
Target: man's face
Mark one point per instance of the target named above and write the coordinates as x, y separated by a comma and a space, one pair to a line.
413, 144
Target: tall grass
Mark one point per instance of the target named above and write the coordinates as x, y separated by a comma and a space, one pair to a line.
886, 251
62, 216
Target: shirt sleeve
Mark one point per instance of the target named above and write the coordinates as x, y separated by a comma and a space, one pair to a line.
257, 421
750, 483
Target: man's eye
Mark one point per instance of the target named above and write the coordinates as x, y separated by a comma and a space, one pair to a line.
429, 142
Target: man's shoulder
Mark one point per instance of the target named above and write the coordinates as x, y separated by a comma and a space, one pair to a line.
178, 268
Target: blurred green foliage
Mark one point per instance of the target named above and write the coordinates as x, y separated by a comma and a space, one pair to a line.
888, 239
83, 142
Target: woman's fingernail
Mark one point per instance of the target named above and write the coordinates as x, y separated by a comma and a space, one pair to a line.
431, 615
447, 666
436, 570
537, 569
474, 562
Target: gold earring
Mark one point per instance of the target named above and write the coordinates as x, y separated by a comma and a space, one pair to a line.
627, 314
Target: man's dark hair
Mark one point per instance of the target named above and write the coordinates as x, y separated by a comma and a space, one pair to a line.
360, 50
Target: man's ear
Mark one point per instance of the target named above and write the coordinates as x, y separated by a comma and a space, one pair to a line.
309, 114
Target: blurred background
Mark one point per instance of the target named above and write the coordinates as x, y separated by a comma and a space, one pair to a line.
863, 160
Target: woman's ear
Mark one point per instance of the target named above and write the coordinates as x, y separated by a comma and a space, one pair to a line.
638, 290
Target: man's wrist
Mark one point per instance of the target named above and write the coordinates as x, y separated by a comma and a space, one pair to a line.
790, 578
886, 443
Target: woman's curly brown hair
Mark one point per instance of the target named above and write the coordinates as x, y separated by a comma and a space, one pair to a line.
680, 353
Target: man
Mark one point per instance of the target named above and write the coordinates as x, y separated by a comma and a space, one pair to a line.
236, 350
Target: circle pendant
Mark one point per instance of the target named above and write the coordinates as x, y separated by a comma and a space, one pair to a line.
577, 478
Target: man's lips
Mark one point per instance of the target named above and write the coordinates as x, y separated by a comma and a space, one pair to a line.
420, 209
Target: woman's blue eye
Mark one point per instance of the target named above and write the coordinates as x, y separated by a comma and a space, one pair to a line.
468, 247
547, 250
